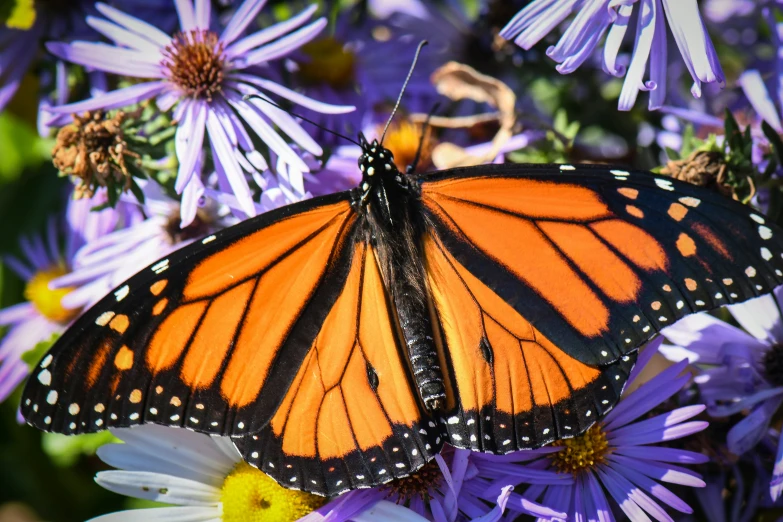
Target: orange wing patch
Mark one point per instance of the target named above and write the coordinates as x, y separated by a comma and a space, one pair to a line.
525, 369
353, 387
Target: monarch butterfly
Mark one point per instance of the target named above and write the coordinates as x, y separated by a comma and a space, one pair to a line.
342, 340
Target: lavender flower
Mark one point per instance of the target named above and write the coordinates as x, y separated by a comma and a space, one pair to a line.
43, 314
457, 486
740, 370
204, 75
618, 456
595, 18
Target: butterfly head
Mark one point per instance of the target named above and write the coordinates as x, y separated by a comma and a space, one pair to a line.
376, 161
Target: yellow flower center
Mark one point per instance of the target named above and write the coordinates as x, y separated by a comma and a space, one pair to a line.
329, 63
583, 452
249, 495
402, 139
46, 300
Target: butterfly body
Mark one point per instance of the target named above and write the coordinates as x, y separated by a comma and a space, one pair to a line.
341, 341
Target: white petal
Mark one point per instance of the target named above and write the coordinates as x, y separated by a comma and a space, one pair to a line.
760, 317
385, 511
164, 514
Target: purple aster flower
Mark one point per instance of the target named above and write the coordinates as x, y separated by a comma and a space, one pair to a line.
43, 314
739, 370
619, 455
204, 75
596, 18
456, 486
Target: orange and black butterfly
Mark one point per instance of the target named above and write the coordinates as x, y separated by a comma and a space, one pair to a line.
343, 340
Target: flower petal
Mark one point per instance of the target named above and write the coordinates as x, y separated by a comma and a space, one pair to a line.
108, 58
776, 483
693, 41
187, 16
243, 17
744, 435
159, 487
140, 27
299, 99
761, 318
114, 99
163, 514
385, 511
281, 47
270, 33
121, 36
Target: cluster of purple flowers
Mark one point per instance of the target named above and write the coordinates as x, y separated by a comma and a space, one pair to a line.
219, 74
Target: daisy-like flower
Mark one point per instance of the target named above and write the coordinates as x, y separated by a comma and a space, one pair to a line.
206, 480
43, 314
619, 456
204, 75
739, 370
596, 18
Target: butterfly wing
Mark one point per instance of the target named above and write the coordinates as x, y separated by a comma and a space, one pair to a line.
352, 417
209, 338
546, 279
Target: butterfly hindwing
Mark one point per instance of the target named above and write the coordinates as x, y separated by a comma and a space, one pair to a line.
209, 338
545, 280
352, 417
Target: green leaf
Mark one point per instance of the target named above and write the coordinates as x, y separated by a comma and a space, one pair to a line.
774, 139
65, 450
35, 354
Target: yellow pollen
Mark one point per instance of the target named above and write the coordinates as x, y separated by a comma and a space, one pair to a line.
402, 139
329, 63
583, 452
46, 300
249, 495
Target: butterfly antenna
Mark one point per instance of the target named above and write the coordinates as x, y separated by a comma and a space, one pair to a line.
270, 102
412, 167
404, 85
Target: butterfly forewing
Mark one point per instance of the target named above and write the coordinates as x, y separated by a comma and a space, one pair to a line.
208, 338
545, 280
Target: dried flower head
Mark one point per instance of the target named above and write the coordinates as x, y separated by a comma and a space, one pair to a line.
703, 168
94, 150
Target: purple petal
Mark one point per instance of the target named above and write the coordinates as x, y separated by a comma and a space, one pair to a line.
662, 454
33, 248
711, 339
114, 99
615, 39
16, 313
299, 99
187, 17
591, 19
243, 16
203, 12
658, 63
623, 490
190, 200
189, 140
104, 57
497, 511
744, 435
18, 267
645, 32
140, 27
645, 353
693, 41
658, 422
283, 46
122, 36
11, 376
270, 33
224, 159
650, 486
665, 473
648, 396
537, 20
776, 483
662, 435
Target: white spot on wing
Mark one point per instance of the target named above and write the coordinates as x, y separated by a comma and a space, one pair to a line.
45, 377
104, 318
122, 293
52, 397
208, 239
567, 167
766, 254
765, 232
758, 219
47, 361
665, 184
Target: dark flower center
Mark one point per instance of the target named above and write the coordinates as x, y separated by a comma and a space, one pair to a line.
586, 451
93, 149
329, 62
200, 226
195, 63
417, 484
773, 365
